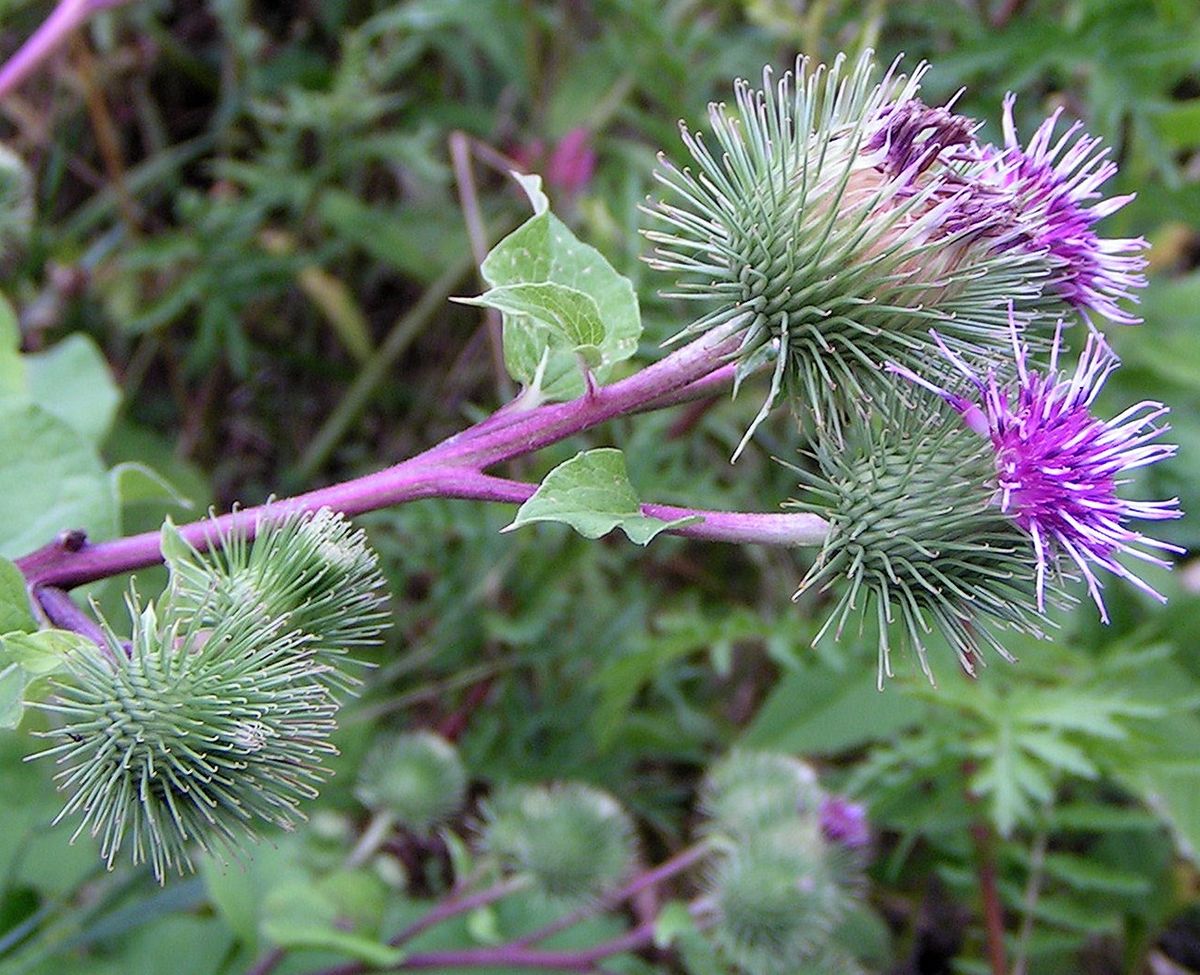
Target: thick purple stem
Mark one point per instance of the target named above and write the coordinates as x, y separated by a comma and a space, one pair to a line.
454, 469
459, 905
515, 956
495, 441
65, 19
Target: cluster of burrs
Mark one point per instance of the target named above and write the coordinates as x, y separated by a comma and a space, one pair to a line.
906, 285
214, 719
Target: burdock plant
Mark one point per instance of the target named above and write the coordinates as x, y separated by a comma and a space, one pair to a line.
573, 841
896, 277
837, 219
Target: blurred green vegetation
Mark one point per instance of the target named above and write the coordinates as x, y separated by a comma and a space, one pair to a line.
249, 214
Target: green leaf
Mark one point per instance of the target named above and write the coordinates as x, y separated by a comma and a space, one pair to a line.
239, 892
15, 613
135, 483
72, 380
298, 915
1088, 874
174, 547
673, 921
50, 479
12, 695
591, 493
41, 653
12, 364
1059, 753
1098, 818
817, 710
544, 251
1012, 780
26, 660
567, 313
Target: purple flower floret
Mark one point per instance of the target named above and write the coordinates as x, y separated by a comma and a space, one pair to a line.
1058, 466
845, 822
914, 136
1049, 183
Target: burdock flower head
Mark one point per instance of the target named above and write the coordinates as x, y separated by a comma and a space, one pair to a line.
916, 538
195, 736
1058, 466
837, 221
1049, 183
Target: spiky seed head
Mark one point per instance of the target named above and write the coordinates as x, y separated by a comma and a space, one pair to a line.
311, 569
776, 904
418, 777
917, 538
835, 221
573, 840
750, 790
195, 736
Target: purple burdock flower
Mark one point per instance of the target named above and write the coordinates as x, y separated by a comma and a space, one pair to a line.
845, 822
1058, 466
914, 136
1050, 182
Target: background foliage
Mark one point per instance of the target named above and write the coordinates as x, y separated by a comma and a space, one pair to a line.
229, 259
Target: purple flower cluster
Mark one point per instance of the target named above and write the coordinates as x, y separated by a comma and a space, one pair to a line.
1042, 200
1058, 466
845, 822
912, 136
1049, 182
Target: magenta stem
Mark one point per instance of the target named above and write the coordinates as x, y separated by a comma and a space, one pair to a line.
516, 956
681, 861
454, 469
54, 31
455, 906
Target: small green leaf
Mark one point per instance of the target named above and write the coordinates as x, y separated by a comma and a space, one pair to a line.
40, 653
134, 483
26, 659
817, 710
12, 364
51, 478
484, 926
591, 493
72, 380
569, 314
15, 613
544, 251
12, 695
1088, 874
174, 547
531, 183
673, 921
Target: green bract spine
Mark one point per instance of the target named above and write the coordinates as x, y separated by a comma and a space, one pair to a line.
748, 791
313, 571
573, 840
194, 735
910, 494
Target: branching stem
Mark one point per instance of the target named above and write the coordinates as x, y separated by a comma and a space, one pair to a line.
455, 469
